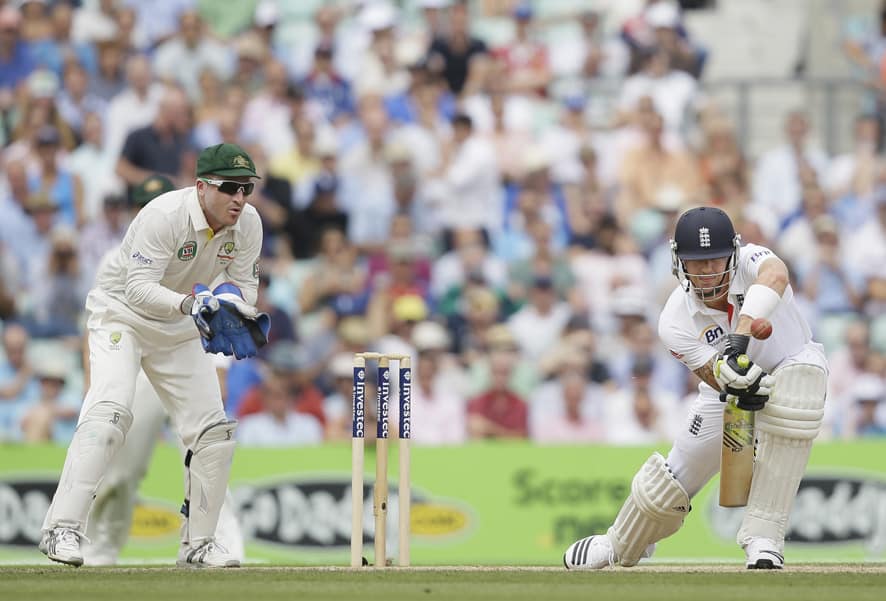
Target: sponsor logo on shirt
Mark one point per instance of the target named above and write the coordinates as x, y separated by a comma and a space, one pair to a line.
114, 339
187, 251
712, 334
255, 270
141, 259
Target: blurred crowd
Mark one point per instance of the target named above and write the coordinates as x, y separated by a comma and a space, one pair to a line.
424, 191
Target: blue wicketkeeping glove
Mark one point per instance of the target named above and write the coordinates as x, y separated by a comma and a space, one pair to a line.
227, 324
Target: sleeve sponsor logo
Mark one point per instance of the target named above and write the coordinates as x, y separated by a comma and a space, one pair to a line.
187, 251
255, 270
141, 259
760, 254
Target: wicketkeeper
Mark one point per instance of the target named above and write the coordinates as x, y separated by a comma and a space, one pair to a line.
141, 315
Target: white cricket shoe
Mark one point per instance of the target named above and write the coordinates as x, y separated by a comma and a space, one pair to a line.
209, 554
590, 553
762, 554
595, 552
62, 545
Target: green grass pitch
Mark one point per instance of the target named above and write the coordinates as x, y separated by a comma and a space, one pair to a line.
853, 582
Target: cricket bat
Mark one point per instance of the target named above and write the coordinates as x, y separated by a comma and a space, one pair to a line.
737, 456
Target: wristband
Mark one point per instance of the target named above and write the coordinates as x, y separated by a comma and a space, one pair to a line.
186, 304
760, 301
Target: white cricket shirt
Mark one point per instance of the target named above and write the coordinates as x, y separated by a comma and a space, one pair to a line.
167, 249
694, 333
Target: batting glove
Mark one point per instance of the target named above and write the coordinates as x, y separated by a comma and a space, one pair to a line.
737, 375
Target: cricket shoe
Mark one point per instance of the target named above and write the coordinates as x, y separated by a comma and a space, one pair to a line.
762, 554
209, 554
593, 553
62, 545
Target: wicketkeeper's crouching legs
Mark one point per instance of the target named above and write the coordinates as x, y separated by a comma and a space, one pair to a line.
785, 429
208, 466
99, 435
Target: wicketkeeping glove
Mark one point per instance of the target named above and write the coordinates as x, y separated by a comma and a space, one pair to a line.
227, 324
738, 376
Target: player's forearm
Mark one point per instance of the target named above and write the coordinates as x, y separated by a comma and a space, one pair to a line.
764, 295
706, 373
153, 299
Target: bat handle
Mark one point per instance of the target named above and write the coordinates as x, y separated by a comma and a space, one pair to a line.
723, 397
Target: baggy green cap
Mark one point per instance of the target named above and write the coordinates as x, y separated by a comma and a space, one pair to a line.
151, 188
225, 159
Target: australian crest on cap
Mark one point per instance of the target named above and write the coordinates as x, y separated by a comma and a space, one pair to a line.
240, 161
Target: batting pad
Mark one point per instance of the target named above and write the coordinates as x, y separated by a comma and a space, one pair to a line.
786, 427
208, 467
654, 510
98, 437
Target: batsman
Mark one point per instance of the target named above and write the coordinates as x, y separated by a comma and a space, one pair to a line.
706, 324
141, 315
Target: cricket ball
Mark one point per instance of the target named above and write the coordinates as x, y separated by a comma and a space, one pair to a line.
761, 329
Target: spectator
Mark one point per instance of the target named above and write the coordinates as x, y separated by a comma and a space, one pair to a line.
380, 70
539, 324
134, 107
52, 416
93, 165
468, 260
111, 77
847, 364
869, 394
673, 92
527, 70
782, 171
465, 189
15, 58
594, 55
17, 230
296, 370
76, 99
56, 299
94, 22
336, 278
278, 424
855, 173
58, 49
452, 53
568, 410
866, 249
18, 386
161, 147
103, 234
181, 59
324, 86
641, 413
55, 180
339, 403
498, 412
649, 167
833, 284
438, 407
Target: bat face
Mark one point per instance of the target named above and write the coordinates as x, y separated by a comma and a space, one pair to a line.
737, 456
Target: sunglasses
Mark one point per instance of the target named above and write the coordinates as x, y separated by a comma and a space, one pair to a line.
230, 187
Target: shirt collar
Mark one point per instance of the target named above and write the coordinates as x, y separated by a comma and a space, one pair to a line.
696, 306
198, 218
